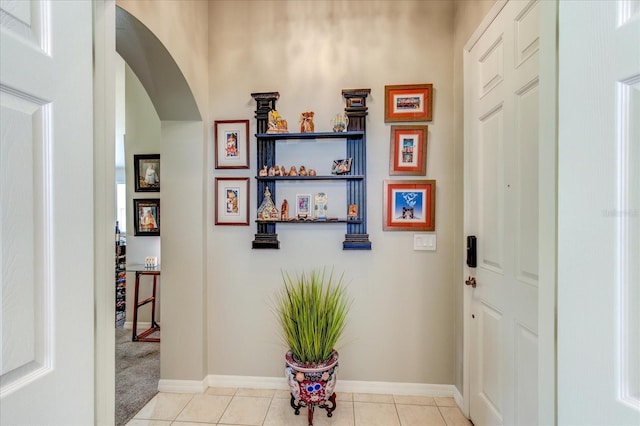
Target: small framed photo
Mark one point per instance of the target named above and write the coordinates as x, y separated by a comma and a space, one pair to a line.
320, 205
146, 217
340, 167
408, 150
409, 205
232, 144
303, 205
232, 201
147, 172
408, 102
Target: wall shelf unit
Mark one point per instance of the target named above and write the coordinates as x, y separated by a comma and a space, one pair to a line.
356, 237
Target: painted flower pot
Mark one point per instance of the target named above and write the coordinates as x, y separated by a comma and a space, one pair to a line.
312, 386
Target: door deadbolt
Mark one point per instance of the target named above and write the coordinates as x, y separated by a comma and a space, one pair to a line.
471, 281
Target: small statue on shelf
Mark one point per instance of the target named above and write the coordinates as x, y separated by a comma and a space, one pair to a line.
302, 171
283, 171
293, 171
276, 170
284, 211
263, 171
340, 123
272, 171
276, 124
267, 210
312, 172
306, 122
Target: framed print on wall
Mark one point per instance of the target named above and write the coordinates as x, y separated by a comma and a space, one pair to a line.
147, 172
232, 201
408, 150
408, 102
232, 144
409, 205
146, 217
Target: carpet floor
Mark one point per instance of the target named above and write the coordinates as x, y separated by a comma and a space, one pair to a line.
137, 375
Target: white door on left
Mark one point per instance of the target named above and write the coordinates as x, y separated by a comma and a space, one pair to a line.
46, 211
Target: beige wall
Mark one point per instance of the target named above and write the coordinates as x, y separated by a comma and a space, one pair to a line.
401, 325
405, 324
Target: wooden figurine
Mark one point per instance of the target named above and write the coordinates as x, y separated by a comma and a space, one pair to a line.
283, 171
302, 171
293, 171
284, 211
306, 122
263, 171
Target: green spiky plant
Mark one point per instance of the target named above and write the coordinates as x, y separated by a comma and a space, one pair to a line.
312, 312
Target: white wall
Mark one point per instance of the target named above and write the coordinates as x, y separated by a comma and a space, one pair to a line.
402, 323
142, 137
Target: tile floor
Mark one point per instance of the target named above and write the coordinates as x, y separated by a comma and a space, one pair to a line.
263, 407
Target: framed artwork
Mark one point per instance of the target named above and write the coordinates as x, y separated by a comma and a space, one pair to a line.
320, 205
146, 217
147, 172
303, 205
409, 205
232, 144
408, 102
232, 201
340, 167
408, 150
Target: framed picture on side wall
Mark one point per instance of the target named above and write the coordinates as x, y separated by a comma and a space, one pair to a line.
408, 102
232, 144
146, 217
147, 172
408, 150
409, 205
232, 201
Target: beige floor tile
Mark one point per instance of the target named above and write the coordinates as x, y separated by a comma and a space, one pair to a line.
246, 410
419, 415
445, 401
375, 414
344, 396
204, 408
143, 422
262, 393
372, 397
280, 413
192, 424
282, 394
343, 415
164, 406
413, 400
454, 417
221, 391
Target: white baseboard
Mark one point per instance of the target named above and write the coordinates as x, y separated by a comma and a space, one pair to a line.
353, 386
457, 397
182, 386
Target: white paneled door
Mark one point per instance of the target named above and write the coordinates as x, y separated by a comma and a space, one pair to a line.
599, 213
46, 211
501, 210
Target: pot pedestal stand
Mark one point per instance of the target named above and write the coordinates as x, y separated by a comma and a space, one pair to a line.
312, 386
328, 405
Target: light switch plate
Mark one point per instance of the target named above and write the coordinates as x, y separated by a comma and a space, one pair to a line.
424, 241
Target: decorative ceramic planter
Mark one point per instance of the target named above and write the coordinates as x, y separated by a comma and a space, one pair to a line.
312, 386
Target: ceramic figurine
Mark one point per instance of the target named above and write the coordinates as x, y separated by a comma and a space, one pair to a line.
340, 123
263, 171
312, 172
306, 122
276, 124
293, 171
283, 171
272, 171
267, 210
284, 211
302, 171
276, 170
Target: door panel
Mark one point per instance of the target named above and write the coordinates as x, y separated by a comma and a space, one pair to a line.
599, 208
501, 209
46, 207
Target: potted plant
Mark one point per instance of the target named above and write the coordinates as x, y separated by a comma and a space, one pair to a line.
312, 312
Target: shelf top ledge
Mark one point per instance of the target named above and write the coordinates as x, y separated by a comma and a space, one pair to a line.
318, 135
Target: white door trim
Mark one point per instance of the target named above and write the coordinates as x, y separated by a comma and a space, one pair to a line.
104, 208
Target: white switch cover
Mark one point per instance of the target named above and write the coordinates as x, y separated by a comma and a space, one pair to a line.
424, 241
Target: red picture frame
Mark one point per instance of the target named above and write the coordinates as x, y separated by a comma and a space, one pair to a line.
409, 205
408, 150
408, 102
